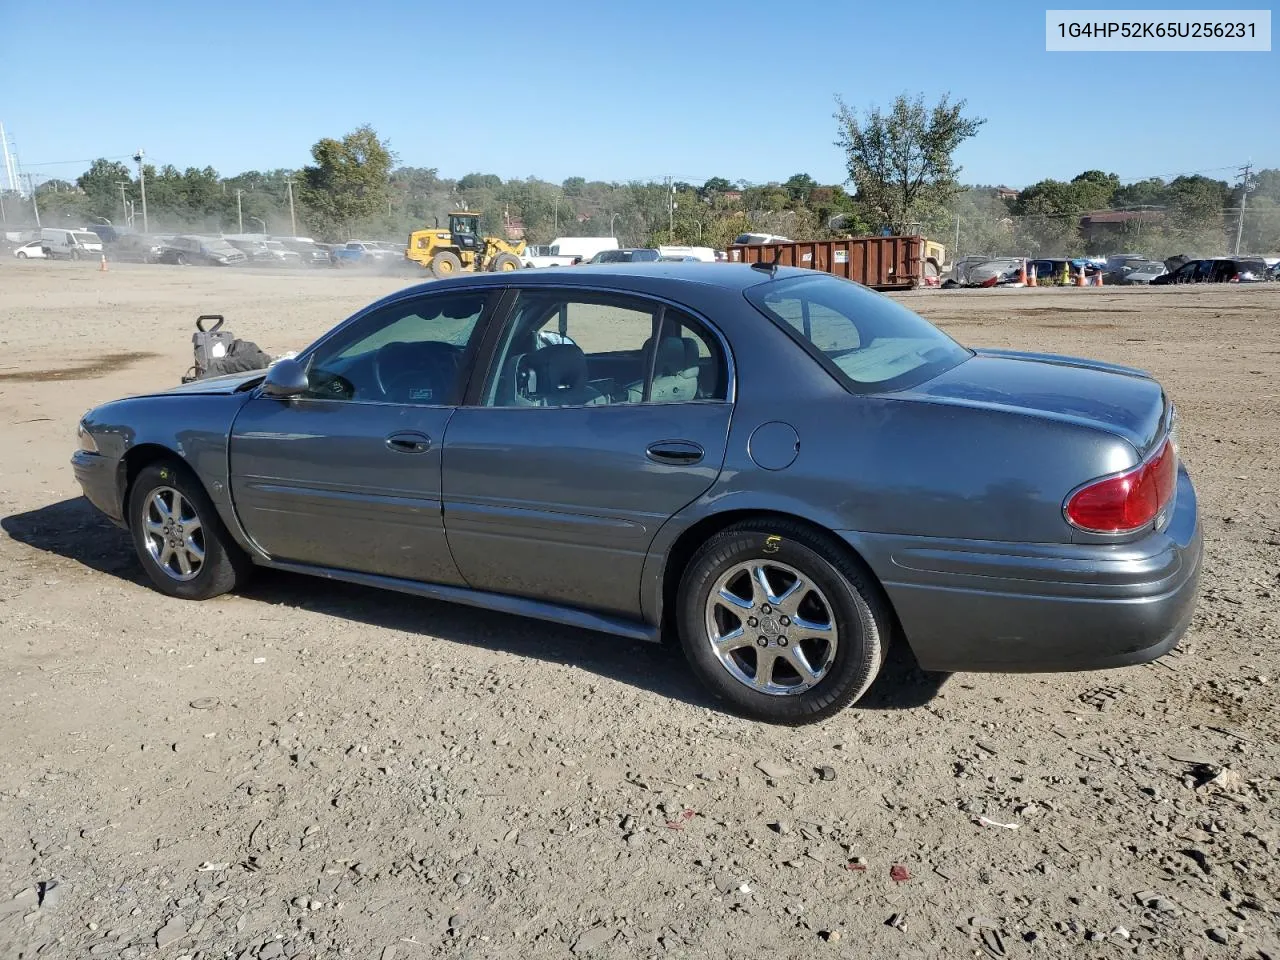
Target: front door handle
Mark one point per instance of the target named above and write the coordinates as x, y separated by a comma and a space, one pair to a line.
409, 442
677, 452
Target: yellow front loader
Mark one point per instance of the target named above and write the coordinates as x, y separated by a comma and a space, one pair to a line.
460, 247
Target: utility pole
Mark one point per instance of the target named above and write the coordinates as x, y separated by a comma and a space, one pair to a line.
34, 205
671, 209
1244, 196
239, 212
956, 252
293, 221
124, 204
555, 209
142, 188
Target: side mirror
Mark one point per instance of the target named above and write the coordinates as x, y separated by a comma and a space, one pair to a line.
285, 378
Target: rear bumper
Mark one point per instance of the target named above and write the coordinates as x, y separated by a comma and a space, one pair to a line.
985, 606
99, 480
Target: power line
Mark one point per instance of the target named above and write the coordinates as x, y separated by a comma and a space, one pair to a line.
64, 163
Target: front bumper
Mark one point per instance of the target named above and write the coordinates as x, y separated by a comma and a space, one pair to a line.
999, 607
99, 479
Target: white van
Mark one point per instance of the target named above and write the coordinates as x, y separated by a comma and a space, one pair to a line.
705, 254
70, 244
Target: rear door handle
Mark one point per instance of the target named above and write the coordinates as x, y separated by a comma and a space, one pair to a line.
409, 442
677, 452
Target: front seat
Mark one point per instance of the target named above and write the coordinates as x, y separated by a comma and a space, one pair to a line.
555, 376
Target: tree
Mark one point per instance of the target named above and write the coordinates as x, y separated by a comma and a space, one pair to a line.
902, 161
100, 186
347, 183
480, 181
800, 186
1094, 189
715, 185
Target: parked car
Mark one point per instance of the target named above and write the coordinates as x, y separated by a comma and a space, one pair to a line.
362, 253
138, 247
1118, 266
1143, 273
204, 251
267, 252
989, 273
778, 467
1049, 269
960, 269
1216, 270
31, 250
630, 255
309, 252
63, 244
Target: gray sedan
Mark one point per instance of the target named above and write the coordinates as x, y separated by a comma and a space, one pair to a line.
781, 469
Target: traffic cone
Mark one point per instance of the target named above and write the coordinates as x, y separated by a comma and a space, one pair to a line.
1066, 273
1080, 281
1022, 273
102, 267
1031, 277
1097, 279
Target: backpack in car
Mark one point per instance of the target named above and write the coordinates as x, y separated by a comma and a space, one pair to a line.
219, 352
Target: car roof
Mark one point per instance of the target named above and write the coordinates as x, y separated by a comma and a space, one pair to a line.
699, 285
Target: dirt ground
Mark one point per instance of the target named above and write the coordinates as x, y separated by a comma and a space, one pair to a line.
316, 770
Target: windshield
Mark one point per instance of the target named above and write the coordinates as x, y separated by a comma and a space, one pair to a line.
220, 246
86, 237
864, 339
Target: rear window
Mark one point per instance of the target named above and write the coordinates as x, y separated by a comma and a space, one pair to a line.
864, 339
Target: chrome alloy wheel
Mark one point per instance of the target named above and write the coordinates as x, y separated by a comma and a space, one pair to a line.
173, 534
771, 627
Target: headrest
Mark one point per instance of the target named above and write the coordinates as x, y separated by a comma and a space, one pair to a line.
561, 366
674, 354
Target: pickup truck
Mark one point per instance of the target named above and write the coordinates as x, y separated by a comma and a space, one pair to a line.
361, 253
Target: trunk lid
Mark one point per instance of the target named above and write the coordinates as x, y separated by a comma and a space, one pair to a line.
1121, 401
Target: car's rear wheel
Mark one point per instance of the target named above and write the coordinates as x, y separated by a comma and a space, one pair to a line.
179, 537
779, 622
21, 255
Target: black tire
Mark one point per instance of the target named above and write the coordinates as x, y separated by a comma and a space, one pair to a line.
225, 564
21, 255
858, 610
505, 263
180, 259
446, 263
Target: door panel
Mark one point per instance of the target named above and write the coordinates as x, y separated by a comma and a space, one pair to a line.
562, 503
348, 485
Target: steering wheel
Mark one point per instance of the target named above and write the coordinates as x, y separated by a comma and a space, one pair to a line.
422, 372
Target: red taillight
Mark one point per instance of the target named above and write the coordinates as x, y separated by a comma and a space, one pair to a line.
1128, 501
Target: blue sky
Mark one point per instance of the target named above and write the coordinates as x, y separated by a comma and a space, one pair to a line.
612, 91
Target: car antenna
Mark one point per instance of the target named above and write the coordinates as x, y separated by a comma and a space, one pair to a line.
771, 266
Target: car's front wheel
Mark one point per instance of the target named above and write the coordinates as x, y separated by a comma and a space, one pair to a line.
781, 623
179, 536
